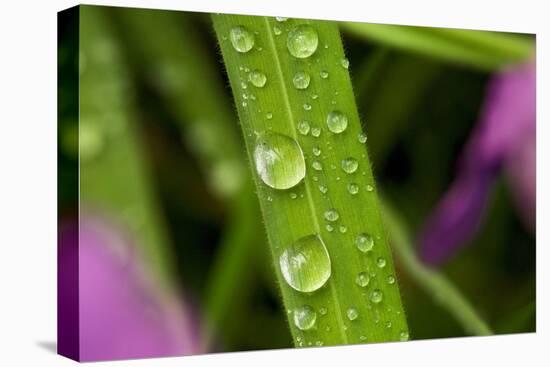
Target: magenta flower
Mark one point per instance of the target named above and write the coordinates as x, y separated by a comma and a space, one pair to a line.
502, 143
122, 312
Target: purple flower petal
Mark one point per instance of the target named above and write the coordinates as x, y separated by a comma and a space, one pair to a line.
503, 137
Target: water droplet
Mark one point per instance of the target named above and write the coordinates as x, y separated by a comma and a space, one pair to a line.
305, 264
279, 160
390, 279
307, 106
316, 151
301, 80
343, 229
277, 30
403, 336
337, 122
331, 215
314, 96
362, 337
305, 317
388, 324
302, 41
303, 127
364, 242
352, 314
362, 279
269, 115
323, 311
316, 132
376, 296
323, 189
281, 19
370, 188
345, 63
353, 188
241, 39
349, 165
329, 227
318, 166
293, 195
323, 74
257, 78
381, 262
362, 137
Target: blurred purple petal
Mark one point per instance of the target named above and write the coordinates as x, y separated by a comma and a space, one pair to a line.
503, 139
123, 312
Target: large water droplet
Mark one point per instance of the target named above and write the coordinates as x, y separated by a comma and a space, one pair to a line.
301, 80
257, 78
241, 39
364, 242
349, 165
376, 296
352, 313
305, 264
279, 160
305, 317
331, 215
302, 41
362, 279
337, 122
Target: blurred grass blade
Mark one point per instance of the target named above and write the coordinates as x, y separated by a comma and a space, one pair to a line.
286, 96
483, 50
114, 177
442, 290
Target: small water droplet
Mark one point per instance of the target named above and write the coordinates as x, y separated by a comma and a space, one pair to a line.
257, 78
318, 166
277, 30
314, 96
381, 262
281, 19
279, 160
329, 227
390, 279
241, 39
303, 127
301, 80
362, 137
362, 337
305, 264
324, 74
353, 188
349, 165
293, 195
316, 151
388, 324
337, 122
370, 188
343, 229
307, 106
302, 41
345, 63
331, 215
403, 336
323, 311
323, 189
305, 317
364, 242
269, 115
362, 279
316, 132
376, 296
352, 314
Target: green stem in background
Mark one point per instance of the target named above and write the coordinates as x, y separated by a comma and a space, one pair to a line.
313, 178
188, 81
442, 290
488, 51
114, 176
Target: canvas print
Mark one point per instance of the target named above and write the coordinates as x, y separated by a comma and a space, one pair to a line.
233, 183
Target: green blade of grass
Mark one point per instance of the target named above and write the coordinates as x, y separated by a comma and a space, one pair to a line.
483, 50
443, 292
114, 176
277, 109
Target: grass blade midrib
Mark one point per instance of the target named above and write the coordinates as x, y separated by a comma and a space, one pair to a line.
311, 204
